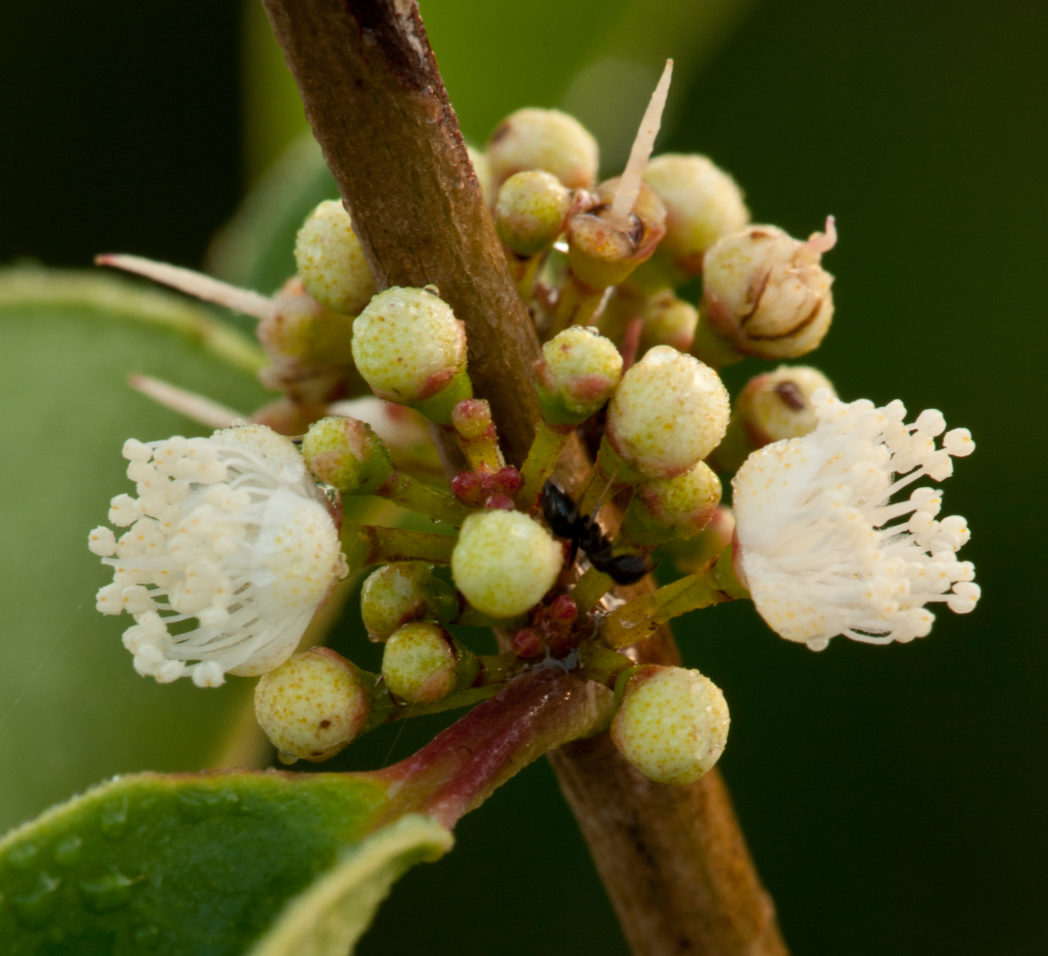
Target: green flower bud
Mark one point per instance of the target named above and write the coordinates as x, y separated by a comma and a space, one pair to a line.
672, 724
668, 413
330, 261
410, 348
348, 454
777, 405
404, 591
504, 562
312, 705
530, 211
702, 204
543, 139
678, 507
767, 293
603, 251
420, 663
577, 374
668, 321
301, 330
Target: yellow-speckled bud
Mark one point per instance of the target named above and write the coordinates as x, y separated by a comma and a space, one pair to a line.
312, 706
504, 562
576, 375
771, 407
410, 348
330, 261
668, 321
702, 204
530, 211
543, 139
420, 663
348, 454
395, 594
767, 293
602, 251
302, 330
672, 724
666, 508
668, 413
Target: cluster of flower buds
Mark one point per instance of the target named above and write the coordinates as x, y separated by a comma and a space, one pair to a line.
233, 541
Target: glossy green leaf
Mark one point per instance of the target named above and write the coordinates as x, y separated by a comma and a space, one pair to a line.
72, 710
207, 864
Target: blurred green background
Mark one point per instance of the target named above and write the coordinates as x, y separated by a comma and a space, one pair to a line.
894, 798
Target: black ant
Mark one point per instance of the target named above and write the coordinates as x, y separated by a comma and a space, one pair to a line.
564, 520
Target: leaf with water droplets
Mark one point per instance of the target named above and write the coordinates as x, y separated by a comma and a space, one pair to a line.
271, 863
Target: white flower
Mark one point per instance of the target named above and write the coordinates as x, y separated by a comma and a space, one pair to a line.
822, 547
229, 550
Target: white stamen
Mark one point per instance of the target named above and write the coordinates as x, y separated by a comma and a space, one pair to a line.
229, 551
197, 407
823, 548
643, 143
192, 283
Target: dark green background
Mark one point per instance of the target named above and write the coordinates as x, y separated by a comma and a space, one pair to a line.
893, 797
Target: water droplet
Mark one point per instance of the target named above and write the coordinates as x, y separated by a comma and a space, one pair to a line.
36, 906
22, 856
197, 804
113, 819
107, 892
67, 852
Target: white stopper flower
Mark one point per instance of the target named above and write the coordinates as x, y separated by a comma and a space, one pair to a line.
229, 550
823, 548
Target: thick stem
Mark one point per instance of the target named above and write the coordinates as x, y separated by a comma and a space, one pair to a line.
378, 108
461, 767
672, 858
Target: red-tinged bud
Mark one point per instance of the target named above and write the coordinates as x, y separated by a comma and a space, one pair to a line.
547, 140
347, 454
767, 293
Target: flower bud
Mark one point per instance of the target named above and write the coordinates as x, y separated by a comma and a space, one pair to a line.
404, 591
668, 321
697, 554
313, 705
302, 330
330, 261
504, 562
347, 454
668, 413
672, 724
678, 507
771, 407
421, 663
410, 348
576, 375
530, 211
702, 204
602, 250
543, 139
767, 293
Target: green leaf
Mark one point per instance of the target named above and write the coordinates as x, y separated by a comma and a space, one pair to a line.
72, 710
208, 864
332, 914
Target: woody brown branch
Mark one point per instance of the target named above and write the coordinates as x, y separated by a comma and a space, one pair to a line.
673, 859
